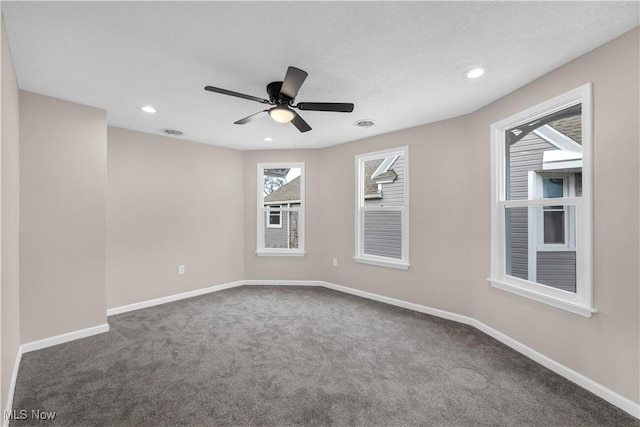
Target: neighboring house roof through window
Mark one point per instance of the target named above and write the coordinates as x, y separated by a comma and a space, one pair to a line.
570, 126
370, 186
287, 193
377, 172
517, 133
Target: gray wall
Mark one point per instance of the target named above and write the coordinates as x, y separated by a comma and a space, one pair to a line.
440, 185
450, 224
63, 173
171, 202
9, 220
310, 266
605, 347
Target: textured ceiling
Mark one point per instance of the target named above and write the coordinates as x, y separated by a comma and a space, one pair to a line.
401, 63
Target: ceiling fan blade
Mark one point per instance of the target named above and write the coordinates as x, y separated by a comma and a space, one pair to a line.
251, 118
339, 107
236, 94
299, 123
292, 82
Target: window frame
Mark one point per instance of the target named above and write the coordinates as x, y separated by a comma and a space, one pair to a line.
274, 214
261, 210
568, 185
377, 260
580, 302
536, 225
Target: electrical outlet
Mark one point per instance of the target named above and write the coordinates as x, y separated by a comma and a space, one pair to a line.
335, 262
181, 269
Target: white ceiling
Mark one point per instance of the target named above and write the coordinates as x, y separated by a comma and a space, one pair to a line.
400, 63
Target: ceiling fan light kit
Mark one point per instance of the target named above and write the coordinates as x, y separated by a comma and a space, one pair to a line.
282, 96
282, 114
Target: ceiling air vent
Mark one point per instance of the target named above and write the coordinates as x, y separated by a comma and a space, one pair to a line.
172, 132
364, 123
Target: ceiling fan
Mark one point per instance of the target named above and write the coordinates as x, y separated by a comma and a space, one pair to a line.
281, 96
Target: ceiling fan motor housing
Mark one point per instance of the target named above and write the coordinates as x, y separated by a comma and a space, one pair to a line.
273, 89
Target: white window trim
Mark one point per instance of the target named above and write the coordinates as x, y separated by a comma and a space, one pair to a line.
360, 256
580, 302
260, 249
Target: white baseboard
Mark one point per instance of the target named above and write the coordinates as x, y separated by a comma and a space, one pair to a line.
176, 297
283, 283
12, 386
171, 298
598, 389
399, 303
210, 289
60, 339
605, 393
38, 345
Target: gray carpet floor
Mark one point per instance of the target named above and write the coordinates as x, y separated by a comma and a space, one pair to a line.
278, 356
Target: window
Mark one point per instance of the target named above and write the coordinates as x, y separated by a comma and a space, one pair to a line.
382, 208
280, 209
275, 217
541, 208
553, 223
555, 226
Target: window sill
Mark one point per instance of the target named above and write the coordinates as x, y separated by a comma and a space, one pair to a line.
280, 253
382, 263
572, 307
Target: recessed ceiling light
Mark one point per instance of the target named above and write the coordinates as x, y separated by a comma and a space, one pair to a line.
148, 109
474, 73
268, 139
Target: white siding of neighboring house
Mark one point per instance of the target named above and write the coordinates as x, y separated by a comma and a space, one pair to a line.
557, 269
383, 229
